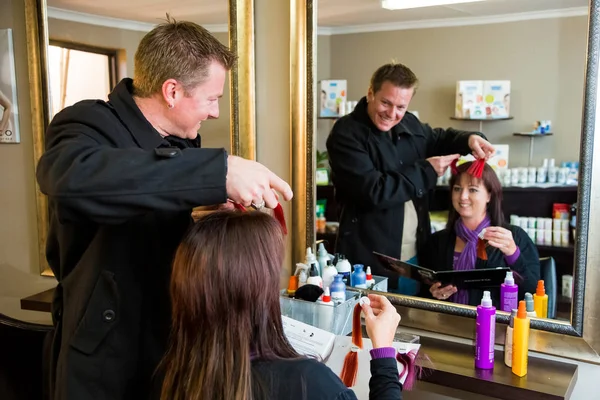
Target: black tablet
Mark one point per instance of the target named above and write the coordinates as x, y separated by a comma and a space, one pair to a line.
475, 278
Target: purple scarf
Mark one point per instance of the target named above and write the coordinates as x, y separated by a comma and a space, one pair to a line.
466, 260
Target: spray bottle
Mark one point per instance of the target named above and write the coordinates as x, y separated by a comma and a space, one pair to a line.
509, 293
529, 305
312, 260
520, 341
485, 333
322, 257
540, 300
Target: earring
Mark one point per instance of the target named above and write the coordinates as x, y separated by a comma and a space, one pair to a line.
170, 105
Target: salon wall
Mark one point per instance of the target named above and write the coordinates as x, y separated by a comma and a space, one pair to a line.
19, 264
215, 133
544, 60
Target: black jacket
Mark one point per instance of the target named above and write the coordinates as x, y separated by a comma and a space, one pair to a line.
308, 379
374, 173
120, 198
439, 255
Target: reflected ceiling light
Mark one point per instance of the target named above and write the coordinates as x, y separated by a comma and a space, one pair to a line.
404, 4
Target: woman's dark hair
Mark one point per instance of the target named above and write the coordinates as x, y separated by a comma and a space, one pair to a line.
225, 304
490, 181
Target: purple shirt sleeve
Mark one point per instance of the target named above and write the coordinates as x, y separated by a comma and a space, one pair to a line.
383, 352
511, 260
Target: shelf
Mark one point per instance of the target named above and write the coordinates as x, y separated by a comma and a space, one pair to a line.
532, 134
535, 189
481, 119
558, 249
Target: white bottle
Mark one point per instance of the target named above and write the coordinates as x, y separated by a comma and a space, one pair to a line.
508, 339
344, 268
323, 257
329, 272
314, 278
312, 260
370, 280
302, 275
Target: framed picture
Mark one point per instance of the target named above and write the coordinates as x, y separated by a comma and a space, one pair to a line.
9, 112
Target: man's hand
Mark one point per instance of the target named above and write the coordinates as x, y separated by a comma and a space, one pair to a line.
441, 163
250, 182
480, 147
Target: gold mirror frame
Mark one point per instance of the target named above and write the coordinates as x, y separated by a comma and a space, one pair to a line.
242, 125
578, 339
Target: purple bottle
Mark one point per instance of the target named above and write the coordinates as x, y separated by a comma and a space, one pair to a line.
485, 333
509, 293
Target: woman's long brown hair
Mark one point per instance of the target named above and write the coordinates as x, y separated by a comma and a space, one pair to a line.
225, 304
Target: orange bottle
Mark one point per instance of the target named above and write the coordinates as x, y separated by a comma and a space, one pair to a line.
520, 343
540, 301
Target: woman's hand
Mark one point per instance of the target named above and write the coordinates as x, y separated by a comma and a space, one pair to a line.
442, 293
381, 319
500, 238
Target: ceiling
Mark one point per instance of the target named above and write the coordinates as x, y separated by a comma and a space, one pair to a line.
331, 13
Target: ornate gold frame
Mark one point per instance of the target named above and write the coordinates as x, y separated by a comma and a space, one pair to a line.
303, 31
578, 339
243, 126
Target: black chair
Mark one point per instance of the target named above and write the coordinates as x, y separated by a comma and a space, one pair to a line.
548, 273
21, 359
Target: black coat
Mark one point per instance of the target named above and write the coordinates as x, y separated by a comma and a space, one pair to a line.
374, 173
438, 255
120, 198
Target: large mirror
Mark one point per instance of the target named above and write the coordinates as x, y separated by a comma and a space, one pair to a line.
81, 50
539, 60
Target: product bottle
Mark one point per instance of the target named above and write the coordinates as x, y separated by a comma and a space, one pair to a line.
321, 223
485, 333
529, 305
314, 278
370, 280
509, 293
312, 260
322, 257
292, 286
338, 289
358, 278
344, 268
520, 341
508, 339
540, 300
329, 272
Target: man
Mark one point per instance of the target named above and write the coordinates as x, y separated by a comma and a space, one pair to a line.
384, 162
122, 178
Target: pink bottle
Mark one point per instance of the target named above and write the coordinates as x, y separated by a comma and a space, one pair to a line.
485, 333
509, 293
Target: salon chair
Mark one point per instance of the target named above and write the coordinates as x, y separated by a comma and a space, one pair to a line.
548, 273
21, 359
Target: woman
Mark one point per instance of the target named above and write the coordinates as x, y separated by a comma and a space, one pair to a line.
227, 339
477, 205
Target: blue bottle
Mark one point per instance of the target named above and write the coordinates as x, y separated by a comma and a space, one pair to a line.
338, 289
358, 278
